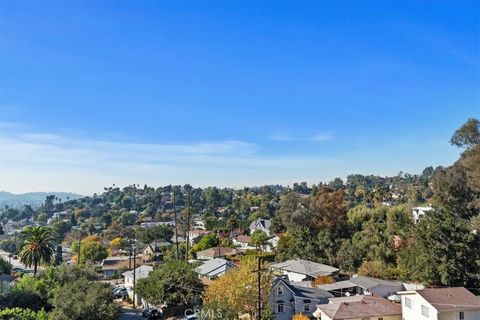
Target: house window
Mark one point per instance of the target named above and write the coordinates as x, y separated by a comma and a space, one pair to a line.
425, 311
279, 291
408, 303
280, 308
306, 308
461, 315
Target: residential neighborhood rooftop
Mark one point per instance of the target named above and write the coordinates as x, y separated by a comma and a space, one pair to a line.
306, 267
444, 299
140, 272
214, 267
366, 307
368, 283
118, 263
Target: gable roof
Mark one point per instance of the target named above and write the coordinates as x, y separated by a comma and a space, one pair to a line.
367, 307
262, 223
214, 267
369, 283
156, 246
444, 299
306, 267
301, 291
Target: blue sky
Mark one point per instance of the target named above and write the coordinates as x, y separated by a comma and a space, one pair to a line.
230, 93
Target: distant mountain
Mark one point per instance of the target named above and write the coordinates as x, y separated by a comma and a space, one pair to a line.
35, 199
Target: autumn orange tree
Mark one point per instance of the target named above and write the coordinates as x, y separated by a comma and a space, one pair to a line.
238, 288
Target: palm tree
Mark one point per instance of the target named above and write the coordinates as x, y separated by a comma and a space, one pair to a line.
38, 247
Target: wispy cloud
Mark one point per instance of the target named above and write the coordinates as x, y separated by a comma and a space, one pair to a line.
32, 161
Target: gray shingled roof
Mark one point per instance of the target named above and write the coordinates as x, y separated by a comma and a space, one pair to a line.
214, 267
140, 272
369, 283
263, 222
337, 285
304, 292
306, 267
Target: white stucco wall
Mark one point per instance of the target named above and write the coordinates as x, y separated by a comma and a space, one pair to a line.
454, 315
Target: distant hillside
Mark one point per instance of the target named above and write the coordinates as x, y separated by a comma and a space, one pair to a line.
35, 199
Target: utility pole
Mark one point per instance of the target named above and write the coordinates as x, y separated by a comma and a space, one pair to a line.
130, 254
188, 223
259, 271
176, 225
134, 271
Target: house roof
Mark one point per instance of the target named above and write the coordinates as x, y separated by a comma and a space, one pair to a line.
306, 267
156, 246
337, 285
243, 239
367, 307
118, 263
140, 272
444, 299
217, 252
214, 267
264, 223
346, 299
369, 283
304, 292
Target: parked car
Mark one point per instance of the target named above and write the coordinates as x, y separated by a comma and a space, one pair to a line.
151, 314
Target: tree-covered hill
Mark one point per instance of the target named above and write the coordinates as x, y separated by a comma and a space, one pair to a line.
33, 199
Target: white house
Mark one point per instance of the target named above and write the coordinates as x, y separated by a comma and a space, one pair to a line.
418, 212
140, 273
300, 270
262, 225
243, 242
440, 304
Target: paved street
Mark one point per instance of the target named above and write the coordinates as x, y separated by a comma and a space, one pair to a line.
15, 262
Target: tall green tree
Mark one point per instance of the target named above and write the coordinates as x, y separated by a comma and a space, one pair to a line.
37, 248
174, 283
81, 299
259, 239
